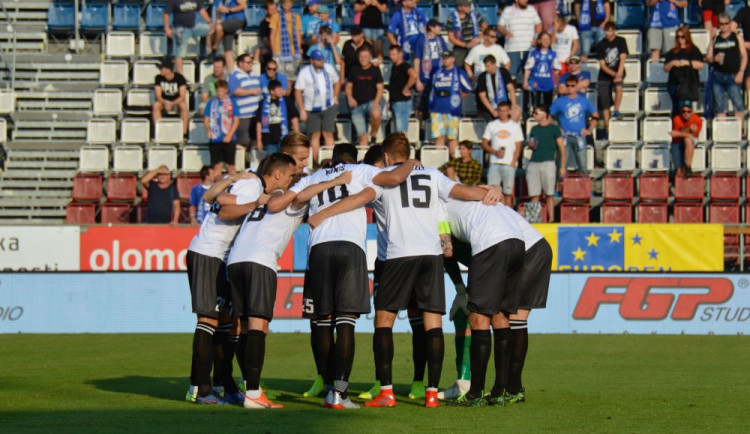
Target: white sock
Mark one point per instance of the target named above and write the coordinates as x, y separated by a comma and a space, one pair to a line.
388, 388
431, 389
254, 394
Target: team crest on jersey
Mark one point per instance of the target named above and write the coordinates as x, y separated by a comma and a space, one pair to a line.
456, 100
573, 111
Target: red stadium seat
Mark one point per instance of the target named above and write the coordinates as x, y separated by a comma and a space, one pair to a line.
688, 212
654, 186
725, 186
522, 210
87, 187
618, 186
693, 188
653, 212
724, 212
185, 184
577, 188
122, 187
617, 212
115, 213
574, 213
80, 213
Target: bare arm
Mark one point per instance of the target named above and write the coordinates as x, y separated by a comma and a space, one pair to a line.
218, 187
466, 192
182, 97
158, 94
147, 178
486, 146
167, 28
396, 176
561, 148
486, 102
378, 95
411, 81
311, 191
175, 212
392, 39
347, 204
516, 154
231, 212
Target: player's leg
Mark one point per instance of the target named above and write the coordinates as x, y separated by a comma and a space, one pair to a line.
383, 349
344, 360
255, 354
435, 349
502, 338
375, 389
519, 347
419, 353
480, 350
317, 387
460, 318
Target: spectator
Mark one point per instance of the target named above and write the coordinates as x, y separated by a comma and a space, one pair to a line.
728, 56
351, 58
686, 127
245, 91
170, 92
541, 69
371, 20
592, 16
611, 52
199, 208
272, 73
265, 33
428, 52
286, 40
274, 120
564, 42
683, 63
364, 92
503, 139
463, 169
185, 26
208, 87
547, 10
541, 173
575, 70
494, 86
406, 24
465, 25
741, 23
403, 79
163, 198
317, 96
518, 24
232, 21
221, 121
449, 86
325, 19
572, 112
474, 63
711, 10
310, 19
328, 47
665, 18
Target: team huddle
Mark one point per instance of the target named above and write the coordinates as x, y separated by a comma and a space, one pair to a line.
426, 224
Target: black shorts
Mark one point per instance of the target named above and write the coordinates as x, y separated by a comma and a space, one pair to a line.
493, 276
209, 287
253, 290
414, 281
605, 89
337, 281
377, 273
231, 28
222, 153
533, 284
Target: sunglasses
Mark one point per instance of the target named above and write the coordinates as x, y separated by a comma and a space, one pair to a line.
681, 37
687, 111
271, 69
570, 85
723, 23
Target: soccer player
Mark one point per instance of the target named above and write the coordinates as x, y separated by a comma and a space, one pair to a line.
414, 263
252, 264
336, 290
210, 291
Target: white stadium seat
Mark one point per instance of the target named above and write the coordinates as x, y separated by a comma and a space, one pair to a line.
530, 123
699, 158
107, 102
620, 158
700, 38
7, 101
656, 100
197, 134
144, 72
195, 157
655, 73
205, 69
630, 100
344, 131
162, 155
168, 131
703, 135
114, 73
434, 157
325, 153
188, 71
592, 66
140, 98
3, 130
101, 131
471, 130
623, 130
93, 159
239, 158
632, 72
247, 42
726, 130
152, 44
413, 132
726, 158
120, 44
135, 131
127, 158
655, 158
634, 39
656, 130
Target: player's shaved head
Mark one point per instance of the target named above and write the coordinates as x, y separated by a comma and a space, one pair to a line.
345, 152
294, 140
274, 162
396, 146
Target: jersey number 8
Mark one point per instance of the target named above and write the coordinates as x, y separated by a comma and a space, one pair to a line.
416, 187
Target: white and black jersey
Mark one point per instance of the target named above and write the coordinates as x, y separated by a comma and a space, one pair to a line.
481, 225
531, 236
411, 212
349, 226
216, 235
378, 215
264, 235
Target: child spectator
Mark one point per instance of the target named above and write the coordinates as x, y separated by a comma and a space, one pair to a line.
199, 208
328, 47
540, 71
273, 118
221, 119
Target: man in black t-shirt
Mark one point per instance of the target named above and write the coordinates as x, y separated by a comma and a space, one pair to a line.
349, 52
372, 21
403, 78
364, 92
487, 94
611, 52
170, 92
265, 33
186, 25
741, 22
163, 198
728, 56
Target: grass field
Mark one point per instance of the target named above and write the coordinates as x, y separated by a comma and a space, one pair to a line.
592, 383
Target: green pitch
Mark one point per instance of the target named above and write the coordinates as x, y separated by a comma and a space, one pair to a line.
136, 383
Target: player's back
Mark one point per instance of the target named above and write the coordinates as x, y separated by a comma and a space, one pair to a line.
481, 225
411, 212
530, 234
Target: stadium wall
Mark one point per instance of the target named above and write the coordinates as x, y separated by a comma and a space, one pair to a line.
153, 302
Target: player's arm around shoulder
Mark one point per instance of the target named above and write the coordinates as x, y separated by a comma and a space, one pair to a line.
347, 204
488, 194
304, 196
217, 188
394, 177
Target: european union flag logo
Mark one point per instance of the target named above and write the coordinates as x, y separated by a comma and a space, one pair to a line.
587, 247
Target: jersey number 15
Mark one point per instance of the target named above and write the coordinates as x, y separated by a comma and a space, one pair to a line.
416, 186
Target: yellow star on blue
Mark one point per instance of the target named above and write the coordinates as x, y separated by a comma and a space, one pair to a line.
637, 239
579, 254
593, 240
614, 236
653, 254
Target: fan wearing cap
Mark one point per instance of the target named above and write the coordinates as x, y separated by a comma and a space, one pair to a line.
575, 70
170, 92
310, 19
465, 27
686, 128
449, 86
327, 46
324, 19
